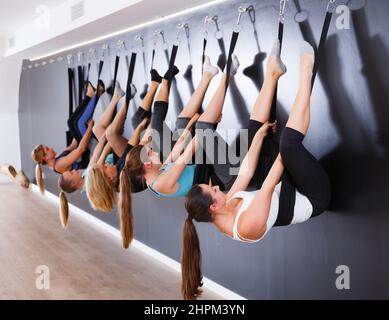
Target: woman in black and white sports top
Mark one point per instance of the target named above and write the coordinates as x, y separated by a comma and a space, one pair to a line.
295, 187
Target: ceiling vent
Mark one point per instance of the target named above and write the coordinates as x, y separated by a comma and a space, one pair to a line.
77, 11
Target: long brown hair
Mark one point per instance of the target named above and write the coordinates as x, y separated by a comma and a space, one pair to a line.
133, 168
197, 205
65, 186
38, 155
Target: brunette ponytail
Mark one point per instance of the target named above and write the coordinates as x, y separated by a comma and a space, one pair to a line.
190, 262
125, 208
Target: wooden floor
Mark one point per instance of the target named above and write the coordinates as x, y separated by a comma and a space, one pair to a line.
84, 262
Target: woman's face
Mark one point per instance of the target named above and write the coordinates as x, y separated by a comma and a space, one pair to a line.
110, 172
74, 177
151, 155
219, 199
49, 153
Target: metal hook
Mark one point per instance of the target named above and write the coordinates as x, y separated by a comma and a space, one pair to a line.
92, 54
251, 12
329, 4
105, 48
120, 45
180, 27
242, 10
79, 55
282, 10
215, 19
156, 35
186, 27
69, 57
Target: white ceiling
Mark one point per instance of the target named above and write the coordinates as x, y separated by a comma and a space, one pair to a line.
15, 12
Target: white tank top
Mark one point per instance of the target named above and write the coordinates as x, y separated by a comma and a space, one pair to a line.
302, 210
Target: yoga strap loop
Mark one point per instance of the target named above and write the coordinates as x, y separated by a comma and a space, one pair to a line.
173, 55
234, 39
323, 38
80, 70
69, 136
130, 78
157, 34
281, 25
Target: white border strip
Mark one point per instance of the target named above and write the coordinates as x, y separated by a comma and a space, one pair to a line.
208, 284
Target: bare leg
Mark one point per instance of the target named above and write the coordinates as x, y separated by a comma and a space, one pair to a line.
299, 117
274, 70
114, 132
163, 93
106, 118
147, 102
215, 107
197, 98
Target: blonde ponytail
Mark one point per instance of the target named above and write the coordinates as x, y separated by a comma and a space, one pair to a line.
63, 209
37, 155
39, 178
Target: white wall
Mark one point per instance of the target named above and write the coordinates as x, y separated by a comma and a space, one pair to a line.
10, 69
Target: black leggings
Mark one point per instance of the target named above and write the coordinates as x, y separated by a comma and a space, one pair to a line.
304, 171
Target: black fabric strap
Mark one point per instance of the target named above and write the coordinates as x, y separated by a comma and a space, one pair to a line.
87, 78
100, 69
234, 40
69, 136
152, 59
321, 48
273, 112
173, 56
71, 81
129, 79
203, 55
80, 70
115, 75
101, 64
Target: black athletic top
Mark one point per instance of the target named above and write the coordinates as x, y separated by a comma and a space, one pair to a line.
136, 184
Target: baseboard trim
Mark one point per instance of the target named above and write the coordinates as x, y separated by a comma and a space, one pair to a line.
158, 256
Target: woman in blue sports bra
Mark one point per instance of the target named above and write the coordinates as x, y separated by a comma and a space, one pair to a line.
174, 176
80, 125
111, 142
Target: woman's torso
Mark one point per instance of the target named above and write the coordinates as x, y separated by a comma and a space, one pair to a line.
184, 183
302, 211
74, 166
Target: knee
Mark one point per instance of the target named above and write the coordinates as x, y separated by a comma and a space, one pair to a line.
290, 141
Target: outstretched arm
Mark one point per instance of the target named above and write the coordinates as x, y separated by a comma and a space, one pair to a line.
167, 182
250, 161
66, 162
98, 150
182, 141
106, 151
135, 137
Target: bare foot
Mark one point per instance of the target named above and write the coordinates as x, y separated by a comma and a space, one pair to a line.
275, 66
307, 60
90, 90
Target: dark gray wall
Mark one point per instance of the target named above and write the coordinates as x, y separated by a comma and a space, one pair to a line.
349, 130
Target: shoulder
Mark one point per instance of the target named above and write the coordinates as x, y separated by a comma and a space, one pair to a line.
250, 225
